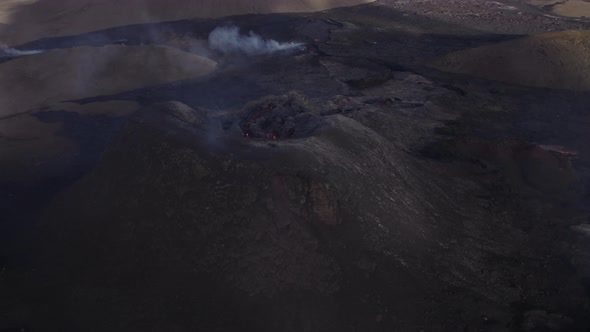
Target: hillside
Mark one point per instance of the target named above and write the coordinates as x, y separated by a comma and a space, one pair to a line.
40, 80
554, 60
70, 17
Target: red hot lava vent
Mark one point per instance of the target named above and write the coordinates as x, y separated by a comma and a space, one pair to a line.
280, 117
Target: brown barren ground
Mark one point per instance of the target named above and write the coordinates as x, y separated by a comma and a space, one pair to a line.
41, 80
70, 17
567, 8
554, 60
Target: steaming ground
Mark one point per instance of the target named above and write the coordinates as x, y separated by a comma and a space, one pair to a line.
229, 40
6, 51
41, 81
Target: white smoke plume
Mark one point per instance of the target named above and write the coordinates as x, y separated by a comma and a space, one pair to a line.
229, 40
6, 51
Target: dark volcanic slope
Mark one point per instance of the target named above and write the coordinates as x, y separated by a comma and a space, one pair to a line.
383, 196
191, 225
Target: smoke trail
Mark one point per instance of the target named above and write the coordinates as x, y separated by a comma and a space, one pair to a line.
6, 51
229, 40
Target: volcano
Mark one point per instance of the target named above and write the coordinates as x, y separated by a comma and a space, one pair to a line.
416, 166
250, 220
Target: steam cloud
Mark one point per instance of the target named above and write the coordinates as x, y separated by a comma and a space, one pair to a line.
229, 40
6, 51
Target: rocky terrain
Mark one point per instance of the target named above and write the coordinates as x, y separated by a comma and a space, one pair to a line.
393, 166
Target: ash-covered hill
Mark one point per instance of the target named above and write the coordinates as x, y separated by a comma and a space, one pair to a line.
555, 60
41, 80
193, 221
